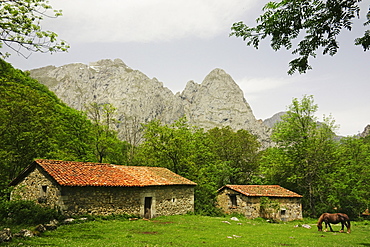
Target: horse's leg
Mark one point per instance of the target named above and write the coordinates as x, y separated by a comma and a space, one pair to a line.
348, 225
330, 227
343, 223
326, 226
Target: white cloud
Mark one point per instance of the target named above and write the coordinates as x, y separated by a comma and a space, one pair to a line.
270, 95
145, 20
255, 87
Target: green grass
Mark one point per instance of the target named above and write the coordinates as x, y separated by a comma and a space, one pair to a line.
189, 230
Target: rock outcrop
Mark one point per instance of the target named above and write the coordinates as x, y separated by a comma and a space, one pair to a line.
216, 102
270, 122
366, 131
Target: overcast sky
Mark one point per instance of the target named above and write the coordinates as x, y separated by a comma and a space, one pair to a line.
182, 40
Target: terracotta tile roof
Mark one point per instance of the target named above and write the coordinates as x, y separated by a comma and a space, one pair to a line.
70, 173
262, 190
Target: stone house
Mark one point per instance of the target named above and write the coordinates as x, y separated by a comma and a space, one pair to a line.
103, 189
282, 204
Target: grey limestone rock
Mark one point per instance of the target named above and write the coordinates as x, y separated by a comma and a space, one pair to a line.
270, 122
216, 102
24, 233
366, 131
6, 235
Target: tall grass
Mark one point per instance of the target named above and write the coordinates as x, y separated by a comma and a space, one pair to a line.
190, 230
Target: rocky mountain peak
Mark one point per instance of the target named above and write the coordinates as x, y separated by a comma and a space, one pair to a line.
108, 62
219, 79
270, 122
216, 102
366, 131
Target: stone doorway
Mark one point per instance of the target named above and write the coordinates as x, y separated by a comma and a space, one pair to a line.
148, 207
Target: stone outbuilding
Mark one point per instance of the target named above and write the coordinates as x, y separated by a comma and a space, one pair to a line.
103, 189
267, 201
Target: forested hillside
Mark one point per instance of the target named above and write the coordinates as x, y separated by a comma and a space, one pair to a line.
34, 123
307, 159
331, 175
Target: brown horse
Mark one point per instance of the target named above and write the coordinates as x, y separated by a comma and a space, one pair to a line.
334, 219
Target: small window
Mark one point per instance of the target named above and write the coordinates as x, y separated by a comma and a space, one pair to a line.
63, 192
233, 200
43, 194
44, 190
283, 211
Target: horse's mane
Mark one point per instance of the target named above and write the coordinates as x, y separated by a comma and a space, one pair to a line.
321, 219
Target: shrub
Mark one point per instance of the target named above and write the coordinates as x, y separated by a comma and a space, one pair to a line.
26, 212
269, 208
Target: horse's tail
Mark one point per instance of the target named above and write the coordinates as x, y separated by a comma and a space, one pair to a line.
347, 222
348, 225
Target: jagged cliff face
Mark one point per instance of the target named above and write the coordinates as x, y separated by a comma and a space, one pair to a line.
270, 122
366, 131
219, 102
106, 81
216, 102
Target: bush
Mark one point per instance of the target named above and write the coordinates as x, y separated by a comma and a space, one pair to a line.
26, 212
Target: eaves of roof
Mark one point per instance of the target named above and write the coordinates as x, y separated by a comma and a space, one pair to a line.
262, 190
71, 173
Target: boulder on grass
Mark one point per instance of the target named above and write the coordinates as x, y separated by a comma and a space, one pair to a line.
40, 228
5, 235
69, 220
24, 233
52, 225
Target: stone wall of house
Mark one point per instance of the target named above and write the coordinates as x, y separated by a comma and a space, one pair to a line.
38, 187
166, 200
290, 208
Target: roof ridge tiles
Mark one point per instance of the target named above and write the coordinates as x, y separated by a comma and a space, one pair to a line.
74, 173
262, 190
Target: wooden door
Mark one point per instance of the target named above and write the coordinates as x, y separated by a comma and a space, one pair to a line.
148, 208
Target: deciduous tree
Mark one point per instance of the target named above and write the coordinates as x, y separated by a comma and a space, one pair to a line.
186, 151
238, 151
34, 123
304, 154
20, 27
172, 146
319, 22
132, 133
104, 134
349, 184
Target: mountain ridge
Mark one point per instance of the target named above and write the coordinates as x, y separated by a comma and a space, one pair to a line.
216, 102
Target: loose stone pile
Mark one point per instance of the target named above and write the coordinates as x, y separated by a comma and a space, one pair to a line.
6, 234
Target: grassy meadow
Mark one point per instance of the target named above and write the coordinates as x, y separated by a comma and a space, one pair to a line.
190, 230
